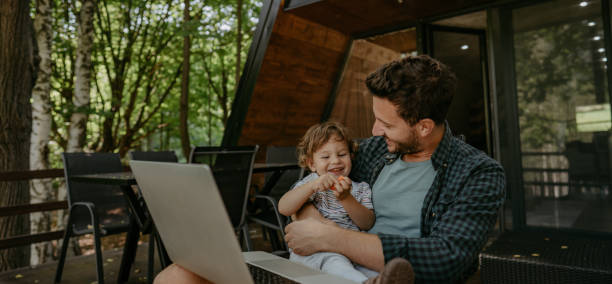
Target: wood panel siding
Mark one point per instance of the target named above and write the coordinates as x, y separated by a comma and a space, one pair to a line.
355, 17
299, 70
353, 105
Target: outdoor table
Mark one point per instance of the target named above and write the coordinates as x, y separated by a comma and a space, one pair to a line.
277, 168
125, 180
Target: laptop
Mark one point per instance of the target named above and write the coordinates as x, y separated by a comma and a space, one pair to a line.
191, 219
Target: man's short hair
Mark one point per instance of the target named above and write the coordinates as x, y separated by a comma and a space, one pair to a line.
419, 86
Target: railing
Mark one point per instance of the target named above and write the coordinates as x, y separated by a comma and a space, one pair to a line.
30, 208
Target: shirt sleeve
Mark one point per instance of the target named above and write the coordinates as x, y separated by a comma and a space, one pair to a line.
363, 194
305, 180
458, 230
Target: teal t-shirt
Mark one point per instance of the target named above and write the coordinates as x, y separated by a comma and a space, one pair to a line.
398, 195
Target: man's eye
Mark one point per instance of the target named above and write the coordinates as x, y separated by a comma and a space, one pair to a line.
342, 154
325, 157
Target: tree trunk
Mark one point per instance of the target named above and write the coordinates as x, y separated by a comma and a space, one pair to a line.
238, 42
78, 120
16, 81
40, 189
184, 107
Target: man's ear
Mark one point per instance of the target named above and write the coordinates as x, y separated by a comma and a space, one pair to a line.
425, 127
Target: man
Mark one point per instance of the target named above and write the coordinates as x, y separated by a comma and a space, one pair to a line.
435, 197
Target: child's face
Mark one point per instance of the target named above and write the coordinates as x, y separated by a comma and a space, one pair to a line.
333, 157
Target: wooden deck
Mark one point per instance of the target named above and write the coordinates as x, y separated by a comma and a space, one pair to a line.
82, 269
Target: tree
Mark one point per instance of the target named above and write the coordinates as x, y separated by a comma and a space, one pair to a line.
184, 108
40, 189
17, 69
78, 120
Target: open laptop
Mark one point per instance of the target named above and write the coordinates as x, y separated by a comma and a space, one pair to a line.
190, 217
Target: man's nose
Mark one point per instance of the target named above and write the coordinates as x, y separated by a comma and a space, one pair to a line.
376, 130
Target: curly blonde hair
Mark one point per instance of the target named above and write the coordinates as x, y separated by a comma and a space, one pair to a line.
317, 135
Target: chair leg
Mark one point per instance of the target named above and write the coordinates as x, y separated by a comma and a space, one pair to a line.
247, 237
129, 252
63, 250
164, 259
99, 260
151, 256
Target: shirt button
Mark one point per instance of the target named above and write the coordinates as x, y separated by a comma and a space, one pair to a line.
433, 214
445, 165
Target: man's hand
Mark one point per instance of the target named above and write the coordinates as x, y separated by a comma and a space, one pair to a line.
308, 236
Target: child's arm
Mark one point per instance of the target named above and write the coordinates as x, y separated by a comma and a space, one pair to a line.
361, 215
294, 199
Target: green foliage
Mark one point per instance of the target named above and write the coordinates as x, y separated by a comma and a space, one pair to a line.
137, 60
558, 67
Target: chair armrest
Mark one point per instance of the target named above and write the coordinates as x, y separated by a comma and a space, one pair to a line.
274, 204
91, 208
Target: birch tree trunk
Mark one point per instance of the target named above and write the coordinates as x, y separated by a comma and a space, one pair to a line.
184, 104
78, 120
40, 189
17, 71
238, 42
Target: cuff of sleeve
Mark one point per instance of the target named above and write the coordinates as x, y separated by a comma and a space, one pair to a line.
393, 246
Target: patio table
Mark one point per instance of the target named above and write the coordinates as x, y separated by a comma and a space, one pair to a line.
277, 168
125, 180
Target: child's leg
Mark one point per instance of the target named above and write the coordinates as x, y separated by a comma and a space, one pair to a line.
366, 271
331, 263
340, 265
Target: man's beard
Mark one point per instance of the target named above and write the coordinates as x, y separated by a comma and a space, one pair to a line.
413, 146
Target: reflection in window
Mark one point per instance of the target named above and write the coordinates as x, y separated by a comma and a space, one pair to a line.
564, 114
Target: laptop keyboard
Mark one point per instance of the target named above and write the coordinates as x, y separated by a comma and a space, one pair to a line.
263, 276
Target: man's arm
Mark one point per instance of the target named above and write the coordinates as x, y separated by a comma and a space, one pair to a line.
310, 235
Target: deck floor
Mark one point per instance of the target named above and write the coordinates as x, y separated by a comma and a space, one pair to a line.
82, 269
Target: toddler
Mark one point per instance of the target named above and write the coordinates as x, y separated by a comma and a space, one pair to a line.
327, 151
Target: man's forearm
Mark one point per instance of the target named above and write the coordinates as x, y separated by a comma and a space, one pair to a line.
362, 248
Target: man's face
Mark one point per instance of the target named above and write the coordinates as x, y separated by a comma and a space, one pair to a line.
399, 135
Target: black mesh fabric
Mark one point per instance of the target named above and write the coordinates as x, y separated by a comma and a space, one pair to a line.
532, 257
111, 206
154, 156
232, 168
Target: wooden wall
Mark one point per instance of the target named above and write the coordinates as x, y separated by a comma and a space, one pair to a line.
353, 105
301, 64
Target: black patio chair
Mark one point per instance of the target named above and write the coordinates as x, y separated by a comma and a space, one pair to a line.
264, 210
154, 156
232, 168
96, 209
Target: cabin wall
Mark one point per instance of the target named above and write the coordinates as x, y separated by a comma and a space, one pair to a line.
353, 105
300, 67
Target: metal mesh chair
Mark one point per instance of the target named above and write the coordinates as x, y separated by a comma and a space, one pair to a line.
154, 156
96, 209
232, 168
533, 257
265, 207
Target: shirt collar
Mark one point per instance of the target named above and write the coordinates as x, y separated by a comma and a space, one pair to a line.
441, 155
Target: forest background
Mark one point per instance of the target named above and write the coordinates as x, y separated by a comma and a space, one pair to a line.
109, 76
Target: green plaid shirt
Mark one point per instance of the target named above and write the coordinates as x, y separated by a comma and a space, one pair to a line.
458, 211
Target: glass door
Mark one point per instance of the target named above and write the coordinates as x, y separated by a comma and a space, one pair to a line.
563, 109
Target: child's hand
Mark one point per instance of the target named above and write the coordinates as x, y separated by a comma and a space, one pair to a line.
324, 182
342, 188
